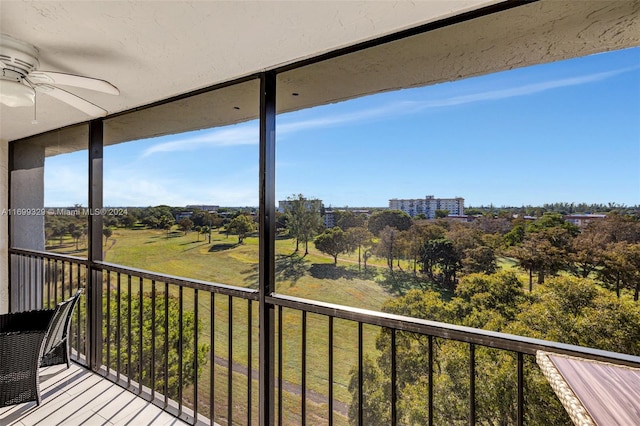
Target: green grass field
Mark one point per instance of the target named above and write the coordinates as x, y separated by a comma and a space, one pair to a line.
224, 261
313, 276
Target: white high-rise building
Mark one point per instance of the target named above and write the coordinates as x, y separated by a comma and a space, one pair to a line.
428, 206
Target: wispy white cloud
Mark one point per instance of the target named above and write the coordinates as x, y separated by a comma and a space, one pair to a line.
247, 133
524, 90
408, 107
243, 134
338, 119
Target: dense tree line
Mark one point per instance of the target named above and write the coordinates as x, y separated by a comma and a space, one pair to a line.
59, 227
440, 251
563, 208
575, 269
565, 309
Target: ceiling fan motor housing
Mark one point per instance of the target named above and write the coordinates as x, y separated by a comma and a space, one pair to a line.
17, 56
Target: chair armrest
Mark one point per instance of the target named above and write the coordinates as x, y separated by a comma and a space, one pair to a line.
26, 321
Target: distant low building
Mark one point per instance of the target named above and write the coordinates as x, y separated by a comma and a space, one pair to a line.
329, 219
582, 220
461, 218
205, 207
183, 215
428, 206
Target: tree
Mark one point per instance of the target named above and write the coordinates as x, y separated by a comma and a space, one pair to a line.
206, 230
303, 219
564, 309
544, 251
60, 231
348, 219
181, 334
185, 225
128, 221
386, 246
396, 219
77, 234
621, 267
480, 259
107, 232
619, 228
440, 255
157, 217
441, 214
586, 253
359, 237
332, 242
241, 226
166, 222
417, 235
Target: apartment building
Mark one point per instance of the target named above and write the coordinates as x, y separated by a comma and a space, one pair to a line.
428, 206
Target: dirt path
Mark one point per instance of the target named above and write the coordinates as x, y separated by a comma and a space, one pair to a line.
313, 396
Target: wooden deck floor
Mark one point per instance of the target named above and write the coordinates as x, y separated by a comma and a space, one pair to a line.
79, 397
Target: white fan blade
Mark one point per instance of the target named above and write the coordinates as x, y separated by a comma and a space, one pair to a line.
71, 99
50, 77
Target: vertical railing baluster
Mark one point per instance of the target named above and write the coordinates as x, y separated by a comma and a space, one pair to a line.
70, 279
212, 358
393, 378
166, 344
472, 384
303, 396
520, 389
129, 337
280, 352
55, 280
360, 376
78, 317
153, 340
48, 283
180, 340
195, 356
230, 364
118, 325
430, 390
108, 334
27, 293
62, 278
249, 359
330, 371
140, 336
22, 291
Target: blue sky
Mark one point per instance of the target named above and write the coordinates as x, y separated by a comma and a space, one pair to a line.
562, 132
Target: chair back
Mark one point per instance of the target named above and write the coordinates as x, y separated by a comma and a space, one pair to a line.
60, 322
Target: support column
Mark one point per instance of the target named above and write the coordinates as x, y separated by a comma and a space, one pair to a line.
94, 276
26, 194
4, 227
267, 244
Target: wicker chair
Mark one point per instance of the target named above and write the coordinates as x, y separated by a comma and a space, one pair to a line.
29, 340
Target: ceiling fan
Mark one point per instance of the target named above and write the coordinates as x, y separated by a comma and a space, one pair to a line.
20, 80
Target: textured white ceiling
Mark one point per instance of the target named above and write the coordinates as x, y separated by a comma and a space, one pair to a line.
152, 50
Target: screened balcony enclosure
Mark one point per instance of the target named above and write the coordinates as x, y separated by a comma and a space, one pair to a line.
208, 314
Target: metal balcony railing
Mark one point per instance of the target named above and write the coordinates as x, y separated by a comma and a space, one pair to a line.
191, 347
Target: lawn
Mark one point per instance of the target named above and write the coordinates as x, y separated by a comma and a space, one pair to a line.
313, 276
224, 261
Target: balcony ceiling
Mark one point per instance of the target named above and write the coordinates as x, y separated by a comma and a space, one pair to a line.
155, 50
